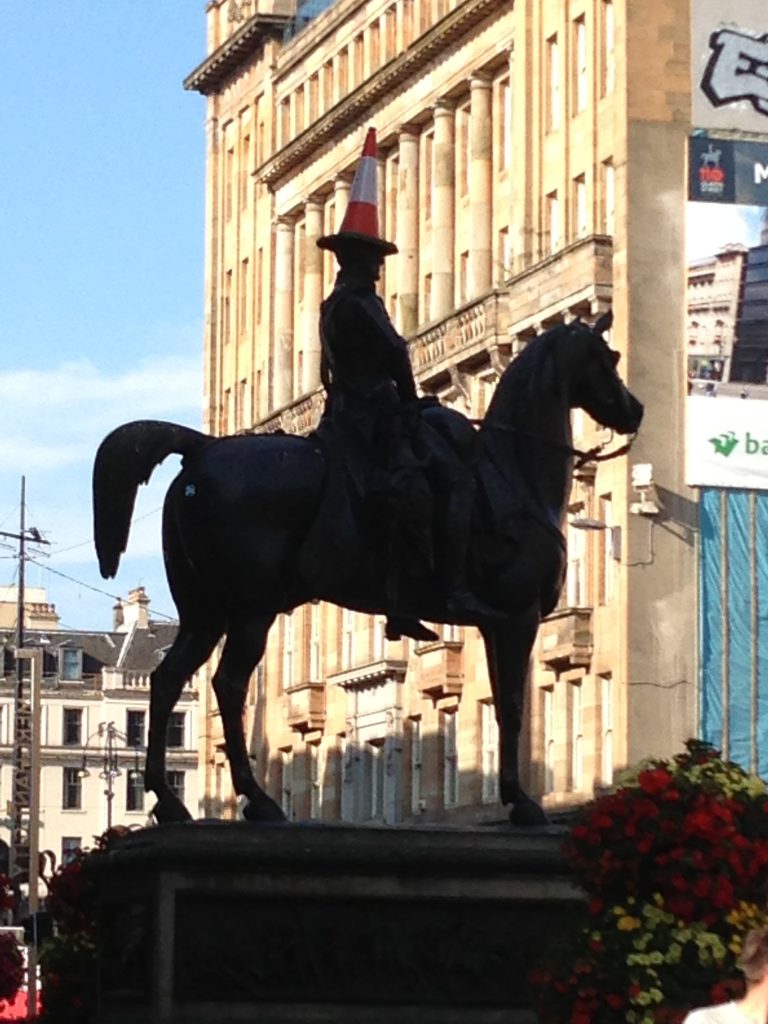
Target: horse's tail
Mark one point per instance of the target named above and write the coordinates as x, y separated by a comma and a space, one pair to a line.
125, 459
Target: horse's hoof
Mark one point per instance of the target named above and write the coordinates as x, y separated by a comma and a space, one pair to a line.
527, 812
263, 809
170, 808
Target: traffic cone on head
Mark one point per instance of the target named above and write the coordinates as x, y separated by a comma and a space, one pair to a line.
361, 221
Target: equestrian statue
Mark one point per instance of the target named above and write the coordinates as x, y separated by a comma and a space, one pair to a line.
395, 505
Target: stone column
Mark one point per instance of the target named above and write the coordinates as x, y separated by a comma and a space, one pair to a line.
443, 211
480, 210
341, 189
282, 358
313, 293
408, 230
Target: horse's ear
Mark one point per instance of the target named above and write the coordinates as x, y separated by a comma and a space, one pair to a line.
603, 323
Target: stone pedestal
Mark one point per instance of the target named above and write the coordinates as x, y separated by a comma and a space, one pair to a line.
331, 924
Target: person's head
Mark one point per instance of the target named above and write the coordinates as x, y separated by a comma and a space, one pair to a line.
360, 257
753, 960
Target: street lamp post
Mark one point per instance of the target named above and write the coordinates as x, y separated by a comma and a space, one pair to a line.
110, 762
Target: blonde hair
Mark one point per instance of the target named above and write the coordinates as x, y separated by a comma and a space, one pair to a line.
753, 960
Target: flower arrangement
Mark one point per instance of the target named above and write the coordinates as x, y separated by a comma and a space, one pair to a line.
11, 959
673, 862
69, 959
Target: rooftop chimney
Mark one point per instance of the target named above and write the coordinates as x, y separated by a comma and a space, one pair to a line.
134, 611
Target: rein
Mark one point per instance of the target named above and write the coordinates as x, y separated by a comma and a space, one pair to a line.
596, 454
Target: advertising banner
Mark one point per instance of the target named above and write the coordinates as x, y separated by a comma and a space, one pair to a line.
727, 443
724, 171
729, 61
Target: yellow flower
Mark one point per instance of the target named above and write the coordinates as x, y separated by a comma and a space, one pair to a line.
627, 923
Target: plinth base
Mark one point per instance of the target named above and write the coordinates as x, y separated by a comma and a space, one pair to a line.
212, 922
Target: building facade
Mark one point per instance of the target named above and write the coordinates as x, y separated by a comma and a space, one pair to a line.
532, 161
94, 716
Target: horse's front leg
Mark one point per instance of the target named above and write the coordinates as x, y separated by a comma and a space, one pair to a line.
508, 648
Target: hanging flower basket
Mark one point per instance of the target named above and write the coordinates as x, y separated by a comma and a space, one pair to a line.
673, 863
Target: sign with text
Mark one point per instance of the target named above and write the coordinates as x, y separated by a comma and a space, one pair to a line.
729, 61
723, 171
727, 443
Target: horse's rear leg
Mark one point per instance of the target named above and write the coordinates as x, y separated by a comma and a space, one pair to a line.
508, 648
188, 652
246, 641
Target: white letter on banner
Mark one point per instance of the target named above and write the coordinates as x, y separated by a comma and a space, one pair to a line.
761, 173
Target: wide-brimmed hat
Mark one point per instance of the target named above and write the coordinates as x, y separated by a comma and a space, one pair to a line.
361, 221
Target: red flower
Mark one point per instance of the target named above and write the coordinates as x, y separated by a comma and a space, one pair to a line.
655, 780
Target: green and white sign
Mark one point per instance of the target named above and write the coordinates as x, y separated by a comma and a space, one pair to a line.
727, 442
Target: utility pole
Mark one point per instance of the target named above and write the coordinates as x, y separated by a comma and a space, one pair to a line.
25, 728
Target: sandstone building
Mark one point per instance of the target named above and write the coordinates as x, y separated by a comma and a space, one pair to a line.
532, 170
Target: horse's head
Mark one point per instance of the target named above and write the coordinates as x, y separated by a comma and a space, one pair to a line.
588, 369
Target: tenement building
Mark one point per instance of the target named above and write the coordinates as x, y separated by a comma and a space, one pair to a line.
531, 171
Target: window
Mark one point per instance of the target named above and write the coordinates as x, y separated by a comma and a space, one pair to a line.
548, 716
347, 637
314, 643
609, 196
298, 110
450, 759
227, 306
229, 175
176, 784
134, 792
285, 121
314, 97
358, 65
606, 720
343, 73
552, 240
72, 795
72, 732
489, 731
416, 766
504, 123
174, 737
575, 579
243, 317
374, 48
605, 577
379, 638
286, 782
313, 772
373, 780
71, 664
608, 47
287, 651
579, 207
69, 848
245, 170
553, 82
577, 736
580, 68
134, 728
327, 85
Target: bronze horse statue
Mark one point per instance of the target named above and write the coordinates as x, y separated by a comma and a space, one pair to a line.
237, 515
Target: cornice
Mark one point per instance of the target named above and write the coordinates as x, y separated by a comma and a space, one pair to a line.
209, 76
382, 83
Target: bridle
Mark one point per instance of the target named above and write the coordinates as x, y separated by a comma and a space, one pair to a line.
596, 454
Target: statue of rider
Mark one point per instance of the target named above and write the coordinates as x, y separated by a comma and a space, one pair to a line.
373, 405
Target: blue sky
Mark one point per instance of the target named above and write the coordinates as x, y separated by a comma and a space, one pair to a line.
101, 283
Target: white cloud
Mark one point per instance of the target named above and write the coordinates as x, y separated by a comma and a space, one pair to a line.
710, 226
52, 420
